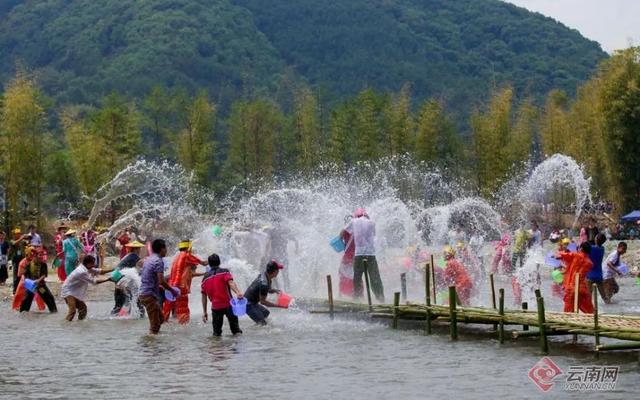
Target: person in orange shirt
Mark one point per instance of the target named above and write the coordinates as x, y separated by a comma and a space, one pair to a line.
456, 275
577, 263
182, 272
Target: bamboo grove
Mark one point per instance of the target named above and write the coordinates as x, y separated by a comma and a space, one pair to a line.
53, 156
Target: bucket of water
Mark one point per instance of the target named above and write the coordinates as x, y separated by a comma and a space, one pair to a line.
57, 262
239, 306
284, 300
169, 296
30, 285
551, 261
557, 276
623, 269
337, 244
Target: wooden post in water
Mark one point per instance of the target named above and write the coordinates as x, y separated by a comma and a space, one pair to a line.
537, 292
576, 293
453, 314
525, 307
396, 311
366, 281
433, 281
427, 284
544, 344
330, 295
501, 312
493, 297
403, 285
596, 325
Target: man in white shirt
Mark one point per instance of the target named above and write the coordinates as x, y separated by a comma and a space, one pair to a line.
74, 289
36, 240
610, 271
363, 230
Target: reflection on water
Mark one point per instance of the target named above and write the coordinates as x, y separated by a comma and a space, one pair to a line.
298, 356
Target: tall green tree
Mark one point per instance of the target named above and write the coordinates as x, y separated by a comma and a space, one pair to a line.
195, 147
23, 142
400, 127
554, 124
253, 128
340, 145
118, 123
491, 133
620, 101
306, 128
437, 141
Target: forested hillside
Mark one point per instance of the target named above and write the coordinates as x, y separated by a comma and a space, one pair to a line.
453, 50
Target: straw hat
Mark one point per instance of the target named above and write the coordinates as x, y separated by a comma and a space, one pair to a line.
185, 244
135, 244
565, 241
70, 232
16, 231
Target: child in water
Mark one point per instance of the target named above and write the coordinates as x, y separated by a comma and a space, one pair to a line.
456, 275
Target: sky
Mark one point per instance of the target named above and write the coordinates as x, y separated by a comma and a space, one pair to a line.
615, 24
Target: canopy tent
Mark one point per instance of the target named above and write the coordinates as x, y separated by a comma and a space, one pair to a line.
631, 217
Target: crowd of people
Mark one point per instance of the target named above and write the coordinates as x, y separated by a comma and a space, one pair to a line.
142, 285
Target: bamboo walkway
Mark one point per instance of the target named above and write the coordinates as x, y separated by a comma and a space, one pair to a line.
621, 327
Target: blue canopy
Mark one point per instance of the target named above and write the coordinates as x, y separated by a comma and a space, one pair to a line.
631, 217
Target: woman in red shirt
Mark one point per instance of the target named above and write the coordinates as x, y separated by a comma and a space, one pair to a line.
577, 263
456, 275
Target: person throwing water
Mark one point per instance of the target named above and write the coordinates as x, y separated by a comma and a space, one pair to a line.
363, 230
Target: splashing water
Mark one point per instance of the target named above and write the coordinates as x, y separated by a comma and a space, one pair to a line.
416, 209
159, 198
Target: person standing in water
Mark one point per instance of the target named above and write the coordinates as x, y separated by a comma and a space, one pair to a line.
346, 263
16, 254
216, 286
182, 273
72, 250
256, 294
363, 230
596, 255
4, 259
152, 278
456, 275
74, 289
36, 270
126, 288
58, 240
610, 270
577, 263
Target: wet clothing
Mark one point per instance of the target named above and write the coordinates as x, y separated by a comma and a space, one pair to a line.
126, 290
374, 277
35, 270
364, 232
61, 272
71, 248
180, 277
89, 239
261, 286
577, 263
346, 265
75, 305
4, 262
154, 312
215, 285
149, 277
614, 259
217, 319
258, 313
456, 275
596, 255
16, 254
77, 283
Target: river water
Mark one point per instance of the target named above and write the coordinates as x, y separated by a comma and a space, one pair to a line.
298, 356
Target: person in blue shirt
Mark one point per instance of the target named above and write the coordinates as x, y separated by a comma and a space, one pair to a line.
596, 255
